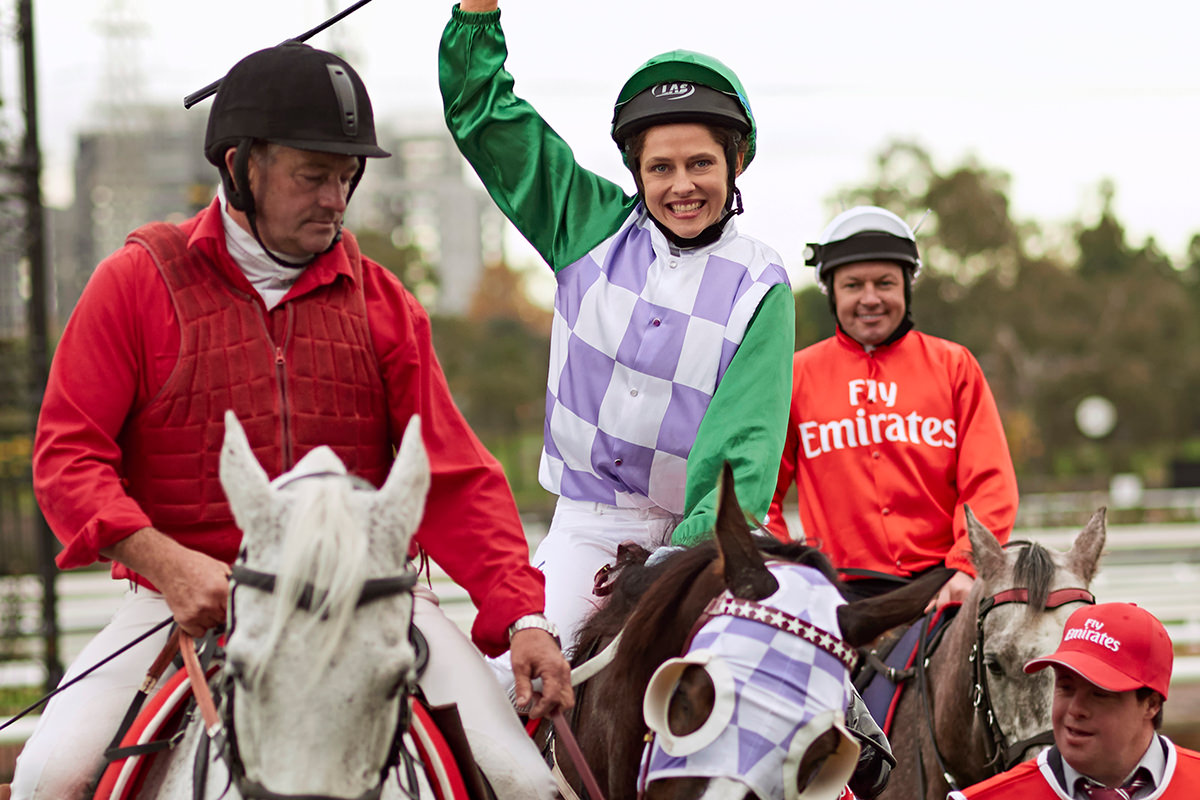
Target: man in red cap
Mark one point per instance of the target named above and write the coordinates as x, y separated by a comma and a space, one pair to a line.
1111, 675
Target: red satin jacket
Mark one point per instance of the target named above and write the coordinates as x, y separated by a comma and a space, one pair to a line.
886, 447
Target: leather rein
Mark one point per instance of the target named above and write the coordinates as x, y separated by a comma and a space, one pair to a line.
220, 733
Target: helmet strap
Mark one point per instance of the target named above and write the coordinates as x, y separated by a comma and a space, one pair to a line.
704, 237
239, 198
243, 200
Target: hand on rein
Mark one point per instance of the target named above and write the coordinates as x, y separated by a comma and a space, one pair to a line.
535, 655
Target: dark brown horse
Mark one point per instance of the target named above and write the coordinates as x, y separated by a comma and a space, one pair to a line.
655, 609
984, 712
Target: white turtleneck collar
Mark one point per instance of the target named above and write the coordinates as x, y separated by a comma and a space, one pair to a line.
271, 280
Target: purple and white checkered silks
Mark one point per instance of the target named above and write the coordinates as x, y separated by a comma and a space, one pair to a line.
769, 683
642, 335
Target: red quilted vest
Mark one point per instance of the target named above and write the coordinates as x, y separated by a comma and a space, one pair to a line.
317, 383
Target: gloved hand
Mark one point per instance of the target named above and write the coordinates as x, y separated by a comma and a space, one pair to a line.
662, 553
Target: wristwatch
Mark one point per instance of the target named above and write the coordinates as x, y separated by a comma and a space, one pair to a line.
538, 621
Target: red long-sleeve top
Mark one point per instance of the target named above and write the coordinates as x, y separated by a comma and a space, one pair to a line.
887, 446
122, 341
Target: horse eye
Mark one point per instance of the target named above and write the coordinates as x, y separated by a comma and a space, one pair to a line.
692, 702
993, 664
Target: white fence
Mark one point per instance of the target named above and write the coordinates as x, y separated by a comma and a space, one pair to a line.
1156, 566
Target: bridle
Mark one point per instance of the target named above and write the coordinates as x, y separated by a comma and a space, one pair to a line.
221, 729
1001, 754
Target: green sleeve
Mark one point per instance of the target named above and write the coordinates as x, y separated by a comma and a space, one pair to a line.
746, 421
562, 209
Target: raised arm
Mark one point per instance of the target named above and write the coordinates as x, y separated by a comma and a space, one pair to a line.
531, 173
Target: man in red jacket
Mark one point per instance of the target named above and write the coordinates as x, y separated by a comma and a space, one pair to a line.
891, 431
264, 305
1111, 675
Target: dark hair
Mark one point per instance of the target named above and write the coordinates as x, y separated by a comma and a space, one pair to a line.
729, 140
1146, 692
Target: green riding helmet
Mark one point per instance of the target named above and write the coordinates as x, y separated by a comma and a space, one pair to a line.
682, 86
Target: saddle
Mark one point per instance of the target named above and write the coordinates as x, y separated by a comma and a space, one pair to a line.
157, 720
887, 668
154, 721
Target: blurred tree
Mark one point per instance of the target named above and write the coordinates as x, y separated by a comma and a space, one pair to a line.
403, 258
1051, 320
495, 360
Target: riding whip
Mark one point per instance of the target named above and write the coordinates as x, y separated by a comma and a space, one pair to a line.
211, 89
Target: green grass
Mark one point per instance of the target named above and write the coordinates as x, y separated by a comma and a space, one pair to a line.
17, 698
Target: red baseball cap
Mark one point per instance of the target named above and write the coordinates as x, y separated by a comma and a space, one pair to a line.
1117, 646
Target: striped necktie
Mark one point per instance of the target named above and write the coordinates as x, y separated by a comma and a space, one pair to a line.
1095, 791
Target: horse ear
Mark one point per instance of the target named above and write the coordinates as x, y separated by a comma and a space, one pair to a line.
401, 501
1084, 556
986, 551
862, 621
746, 576
244, 480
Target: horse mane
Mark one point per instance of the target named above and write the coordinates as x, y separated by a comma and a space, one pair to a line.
322, 548
1034, 570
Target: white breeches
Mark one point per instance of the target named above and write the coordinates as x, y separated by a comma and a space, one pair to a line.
584, 537
66, 749
457, 674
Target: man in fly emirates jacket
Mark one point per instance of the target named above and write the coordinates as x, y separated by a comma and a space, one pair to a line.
263, 304
1112, 671
891, 431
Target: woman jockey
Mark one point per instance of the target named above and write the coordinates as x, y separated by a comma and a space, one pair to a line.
673, 333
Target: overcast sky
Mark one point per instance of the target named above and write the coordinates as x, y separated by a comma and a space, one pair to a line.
1058, 94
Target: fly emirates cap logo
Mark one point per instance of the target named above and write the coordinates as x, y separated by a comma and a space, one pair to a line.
1093, 631
867, 428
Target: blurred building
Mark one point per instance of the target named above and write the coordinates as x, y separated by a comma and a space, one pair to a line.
125, 176
425, 194
155, 169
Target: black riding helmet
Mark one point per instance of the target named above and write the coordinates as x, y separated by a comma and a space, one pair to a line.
294, 95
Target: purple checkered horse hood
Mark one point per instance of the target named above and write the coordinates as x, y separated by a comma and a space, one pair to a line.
779, 684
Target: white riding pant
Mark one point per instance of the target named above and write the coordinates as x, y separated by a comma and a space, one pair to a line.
583, 538
66, 750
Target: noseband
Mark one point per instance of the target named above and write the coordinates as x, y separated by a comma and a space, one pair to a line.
373, 589
1003, 755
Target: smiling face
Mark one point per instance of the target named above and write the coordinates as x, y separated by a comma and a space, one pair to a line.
869, 298
299, 197
1101, 734
684, 178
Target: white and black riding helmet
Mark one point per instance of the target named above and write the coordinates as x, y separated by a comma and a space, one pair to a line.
864, 233
684, 86
295, 95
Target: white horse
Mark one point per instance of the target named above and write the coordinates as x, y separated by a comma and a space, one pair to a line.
318, 658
